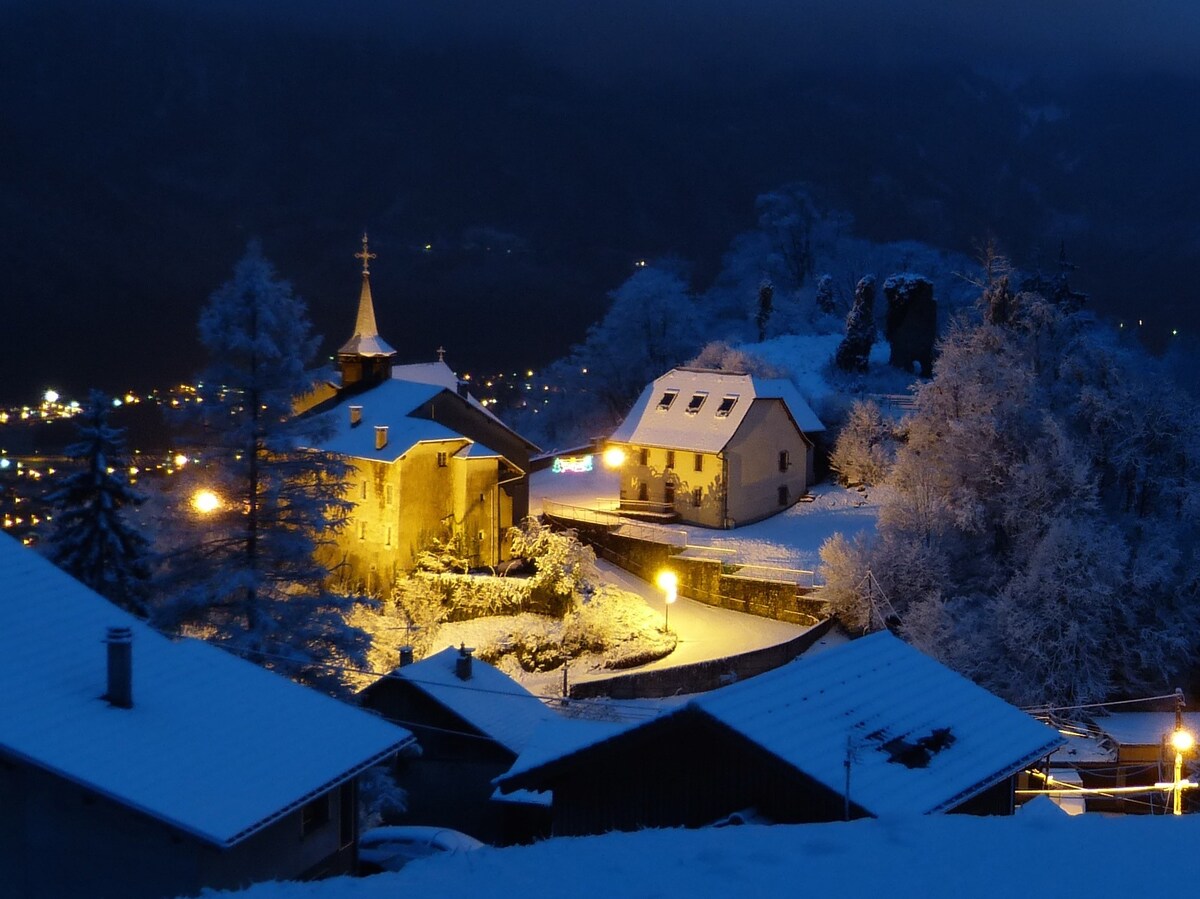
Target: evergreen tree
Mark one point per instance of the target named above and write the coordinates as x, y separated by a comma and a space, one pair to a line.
854, 352
825, 300
766, 304
91, 539
246, 575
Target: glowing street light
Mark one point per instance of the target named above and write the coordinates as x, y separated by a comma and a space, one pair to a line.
1181, 742
205, 501
667, 582
614, 457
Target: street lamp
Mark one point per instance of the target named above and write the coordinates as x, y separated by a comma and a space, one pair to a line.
667, 582
614, 457
205, 501
1181, 742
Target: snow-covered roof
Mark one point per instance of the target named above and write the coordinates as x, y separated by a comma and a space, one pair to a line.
700, 410
561, 737
1145, 728
442, 375
213, 745
884, 698
390, 403
491, 701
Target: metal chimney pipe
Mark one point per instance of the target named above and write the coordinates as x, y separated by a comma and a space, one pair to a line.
120, 667
355, 416
406, 655
381, 436
462, 665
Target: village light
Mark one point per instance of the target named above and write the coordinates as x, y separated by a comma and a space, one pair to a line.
667, 582
205, 501
614, 457
1181, 742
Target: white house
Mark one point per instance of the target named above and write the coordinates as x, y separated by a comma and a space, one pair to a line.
719, 449
134, 765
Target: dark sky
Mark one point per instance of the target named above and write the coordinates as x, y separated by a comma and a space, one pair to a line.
144, 142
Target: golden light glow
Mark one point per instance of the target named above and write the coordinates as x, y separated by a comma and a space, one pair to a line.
205, 501
180, 460
1182, 741
667, 582
614, 457
51, 396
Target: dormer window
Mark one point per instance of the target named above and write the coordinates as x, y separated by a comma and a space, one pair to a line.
727, 403
667, 399
696, 401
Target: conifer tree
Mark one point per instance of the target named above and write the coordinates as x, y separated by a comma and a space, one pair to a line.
91, 539
246, 575
854, 351
766, 305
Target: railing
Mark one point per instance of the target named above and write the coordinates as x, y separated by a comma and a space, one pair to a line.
799, 577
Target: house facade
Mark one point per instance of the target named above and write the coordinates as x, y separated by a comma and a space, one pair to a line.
428, 461
133, 765
717, 449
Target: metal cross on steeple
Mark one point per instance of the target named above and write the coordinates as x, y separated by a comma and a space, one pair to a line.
441, 351
366, 256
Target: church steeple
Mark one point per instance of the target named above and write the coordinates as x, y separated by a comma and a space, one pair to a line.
365, 357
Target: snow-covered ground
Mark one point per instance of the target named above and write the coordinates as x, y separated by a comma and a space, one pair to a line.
791, 539
1039, 853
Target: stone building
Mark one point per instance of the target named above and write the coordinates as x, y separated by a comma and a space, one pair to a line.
429, 460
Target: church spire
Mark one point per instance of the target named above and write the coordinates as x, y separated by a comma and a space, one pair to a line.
366, 355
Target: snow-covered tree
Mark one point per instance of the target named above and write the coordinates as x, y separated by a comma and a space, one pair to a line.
766, 305
91, 539
825, 299
246, 575
855, 350
1037, 533
863, 451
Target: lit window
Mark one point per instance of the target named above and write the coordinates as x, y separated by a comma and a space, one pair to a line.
667, 398
696, 401
727, 404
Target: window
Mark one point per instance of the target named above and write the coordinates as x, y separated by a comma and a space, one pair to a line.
668, 397
643, 456
362, 493
785, 460
696, 401
443, 458
697, 497
783, 495
389, 536
643, 492
314, 815
699, 461
388, 493
670, 458
727, 403
362, 530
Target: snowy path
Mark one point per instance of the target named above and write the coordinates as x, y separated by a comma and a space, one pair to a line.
704, 632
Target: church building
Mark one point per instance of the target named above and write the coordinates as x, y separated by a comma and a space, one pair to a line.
429, 461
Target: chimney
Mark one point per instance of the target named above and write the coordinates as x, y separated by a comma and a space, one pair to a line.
462, 665
355, 416
406, 655
120, 667
380, 436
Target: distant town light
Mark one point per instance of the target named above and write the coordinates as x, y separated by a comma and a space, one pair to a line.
51, 396
4, 463
116, 401
180, 460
